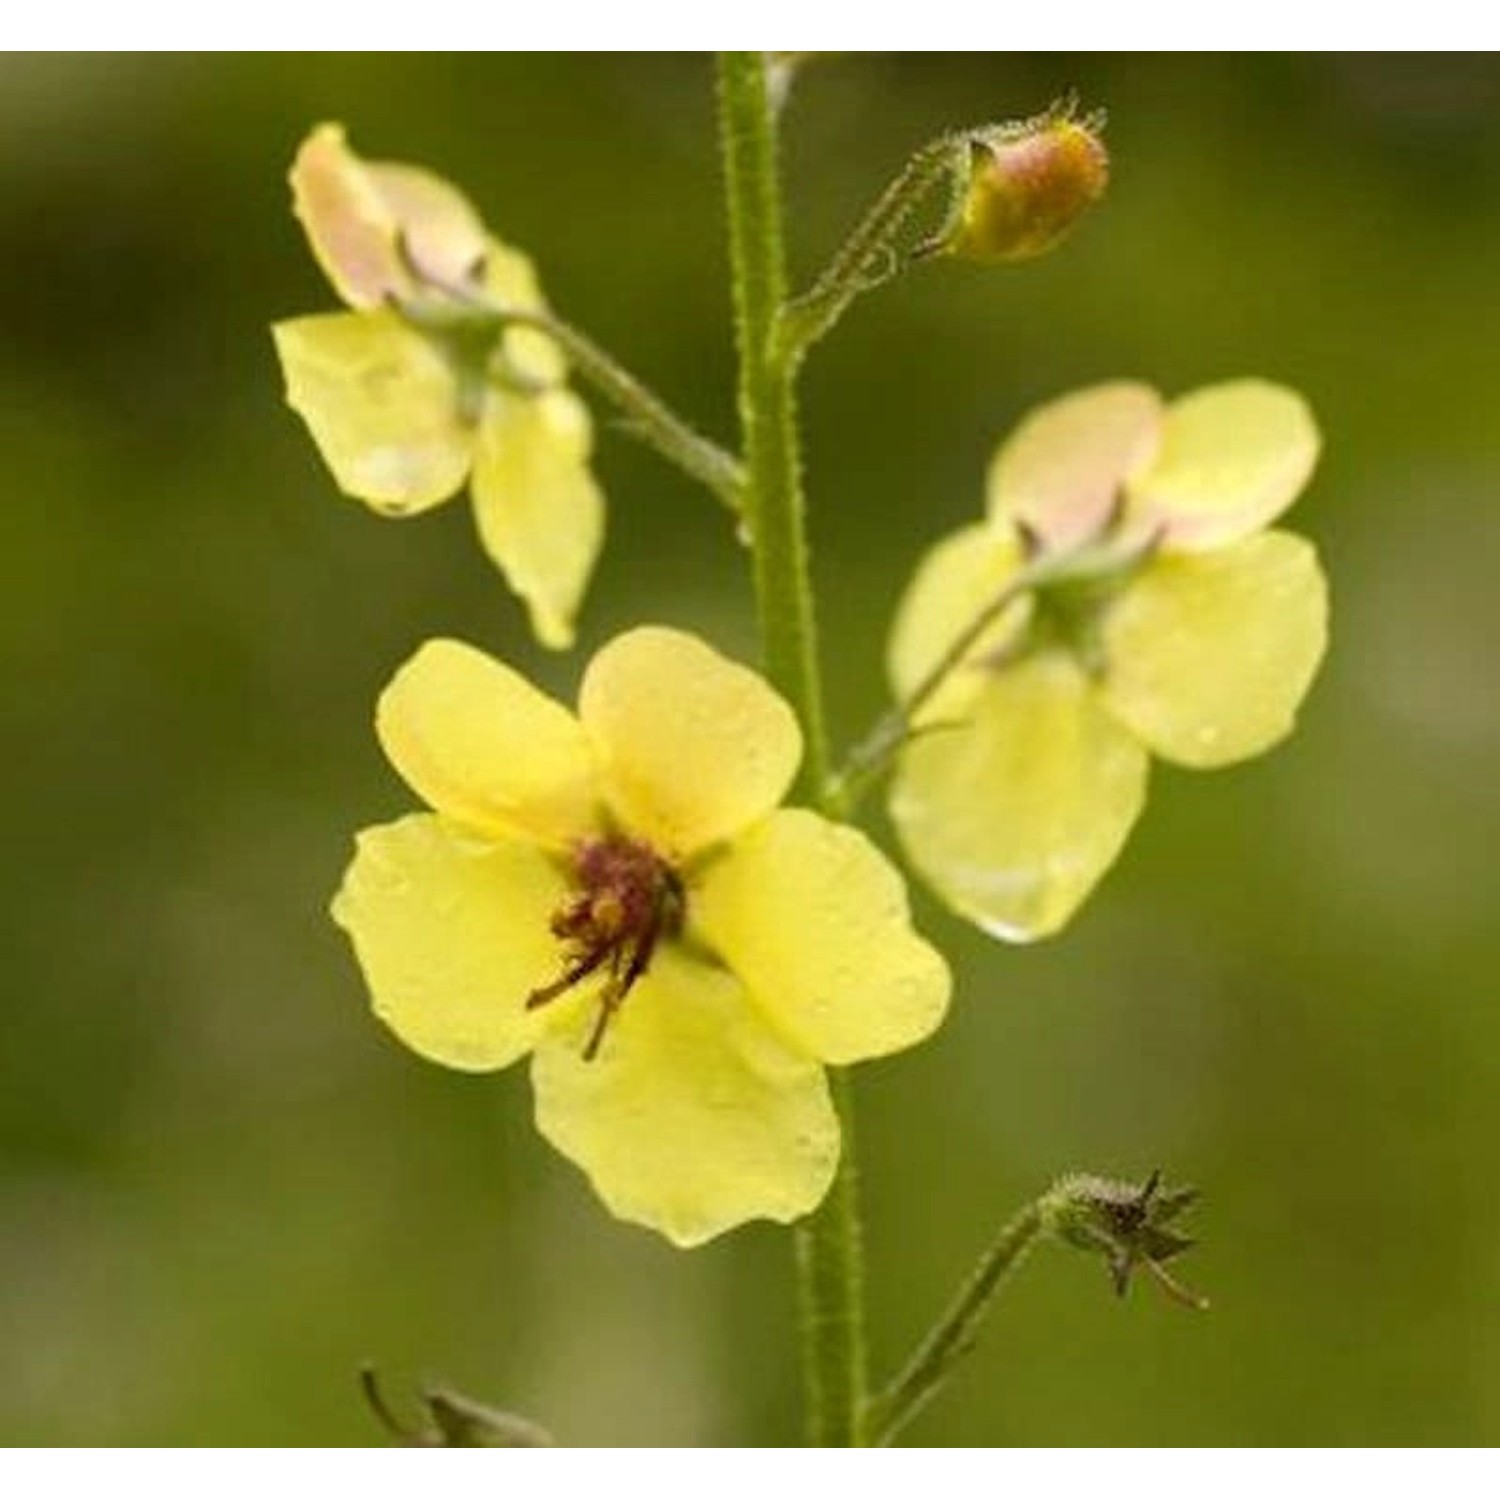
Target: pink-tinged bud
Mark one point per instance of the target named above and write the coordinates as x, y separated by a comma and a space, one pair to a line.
1028, 185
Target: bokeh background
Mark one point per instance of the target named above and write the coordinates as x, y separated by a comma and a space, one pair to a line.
222, 1186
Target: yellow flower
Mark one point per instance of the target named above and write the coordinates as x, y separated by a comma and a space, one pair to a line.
620, 895
1173, 624
403, 414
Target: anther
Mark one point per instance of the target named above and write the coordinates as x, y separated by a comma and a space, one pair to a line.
627, 899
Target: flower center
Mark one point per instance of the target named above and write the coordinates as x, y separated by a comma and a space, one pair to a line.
628, 898
1072, 589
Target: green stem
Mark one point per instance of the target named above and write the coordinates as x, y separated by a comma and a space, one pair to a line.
830, 1260
1128, 1225
774, 508
470, 311
829, 1271
871, 754
955, 1332
648, 417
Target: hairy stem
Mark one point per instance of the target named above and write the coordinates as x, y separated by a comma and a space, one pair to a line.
774, 506
829, 1267
955, 1332
869, 256
648, 417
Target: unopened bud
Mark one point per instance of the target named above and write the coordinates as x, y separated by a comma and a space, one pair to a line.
1028, 185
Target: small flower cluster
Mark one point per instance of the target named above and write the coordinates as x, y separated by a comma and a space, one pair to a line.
618, 893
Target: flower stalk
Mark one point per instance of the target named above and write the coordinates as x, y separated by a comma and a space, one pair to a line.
774, 505
955, 1333
829, 1252
1118, 528
869, 257
1128, 1225
872, 754
646, 416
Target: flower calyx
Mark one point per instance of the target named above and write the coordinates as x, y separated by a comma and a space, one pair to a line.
468, 325
1128, 1225
1072, 588
628, 900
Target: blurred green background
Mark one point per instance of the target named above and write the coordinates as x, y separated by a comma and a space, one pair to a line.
222, 1185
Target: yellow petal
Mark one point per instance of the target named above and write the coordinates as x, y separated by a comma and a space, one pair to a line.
1013, 816
510, 278
954, 582
443, 239
539, 512
348, 223
1210, 655
381, 404
484, 747
814, 919
371, 224
1232, 458
451, 932
694, 1116
693, 747
1061, 471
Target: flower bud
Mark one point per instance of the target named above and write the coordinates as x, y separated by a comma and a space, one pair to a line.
1028, 185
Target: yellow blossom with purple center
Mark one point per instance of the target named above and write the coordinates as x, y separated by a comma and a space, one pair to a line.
1165, 619
619, 894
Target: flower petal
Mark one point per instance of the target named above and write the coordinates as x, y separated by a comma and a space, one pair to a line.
1060, 472
1210, 655
693, 747
955, 581
452, 935
814, 919
485, 748
348, 223
369, 224
442, 237
1232, 458
381, 404
693, 1117
1014, 815
510, 278
539, 512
